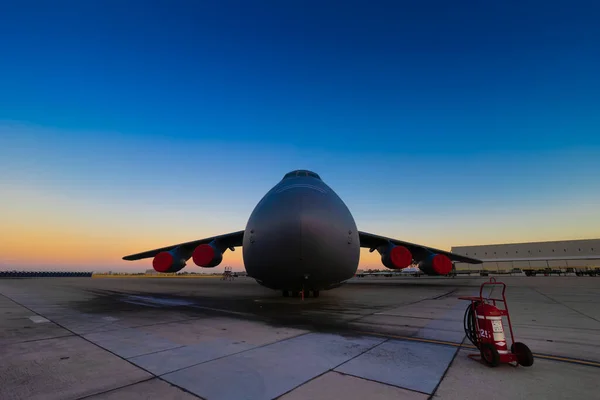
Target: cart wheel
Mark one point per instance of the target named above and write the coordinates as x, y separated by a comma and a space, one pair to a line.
490, 355
524, 356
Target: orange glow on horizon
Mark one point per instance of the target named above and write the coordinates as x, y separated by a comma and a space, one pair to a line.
46, 228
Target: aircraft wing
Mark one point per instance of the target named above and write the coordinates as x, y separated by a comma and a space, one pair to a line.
418, 251
224, 242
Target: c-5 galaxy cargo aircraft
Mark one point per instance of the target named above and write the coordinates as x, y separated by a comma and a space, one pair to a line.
301, 236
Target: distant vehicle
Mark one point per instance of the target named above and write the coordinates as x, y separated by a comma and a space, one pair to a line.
301, 236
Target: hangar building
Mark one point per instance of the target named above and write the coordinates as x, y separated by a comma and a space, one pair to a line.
577, 254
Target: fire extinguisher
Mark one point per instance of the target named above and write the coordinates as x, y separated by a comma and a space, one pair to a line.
491, 332
484, 328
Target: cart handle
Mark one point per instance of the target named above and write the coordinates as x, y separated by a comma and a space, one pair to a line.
493, 282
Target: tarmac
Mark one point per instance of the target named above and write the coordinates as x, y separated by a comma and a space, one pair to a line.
375, 338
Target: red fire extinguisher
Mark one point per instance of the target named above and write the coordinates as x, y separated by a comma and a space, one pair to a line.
484, 328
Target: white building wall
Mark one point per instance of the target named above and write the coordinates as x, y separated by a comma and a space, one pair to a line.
532, 255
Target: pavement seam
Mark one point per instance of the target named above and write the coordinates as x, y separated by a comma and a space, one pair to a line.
444, 295
105, 349
233, 354
403, 305
139, 326
428, 318
331, 369
9, 299
380, 383
89, 396
154, 352
564, 305
221, 310
445, 372
38, 340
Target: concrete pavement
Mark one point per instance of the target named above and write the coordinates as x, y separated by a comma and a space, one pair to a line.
72, 338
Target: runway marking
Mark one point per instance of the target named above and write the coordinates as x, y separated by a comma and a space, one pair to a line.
568, 360
471, 347
38, 320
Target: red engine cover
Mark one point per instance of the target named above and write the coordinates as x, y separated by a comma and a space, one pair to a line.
397, 257
168, 261
162, 261
207, 256
401, 257
436, 264
442, 264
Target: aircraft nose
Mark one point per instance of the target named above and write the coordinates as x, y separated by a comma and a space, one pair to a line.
299, 232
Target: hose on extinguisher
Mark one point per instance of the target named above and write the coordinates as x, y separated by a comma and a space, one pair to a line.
470, 324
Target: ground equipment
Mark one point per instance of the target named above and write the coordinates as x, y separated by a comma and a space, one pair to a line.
484, 328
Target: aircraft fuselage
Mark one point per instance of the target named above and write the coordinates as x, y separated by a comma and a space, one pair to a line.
301, 235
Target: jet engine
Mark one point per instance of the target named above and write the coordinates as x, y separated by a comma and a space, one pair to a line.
436, 264
396, 257
207, 255
169, 261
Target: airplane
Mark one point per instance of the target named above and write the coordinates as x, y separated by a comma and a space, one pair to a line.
301, 236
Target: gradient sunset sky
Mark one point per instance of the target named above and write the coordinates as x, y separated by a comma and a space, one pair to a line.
130, 125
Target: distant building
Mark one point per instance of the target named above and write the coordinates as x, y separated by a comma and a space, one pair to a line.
150, 271
577, 254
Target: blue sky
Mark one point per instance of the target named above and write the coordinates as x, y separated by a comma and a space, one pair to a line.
425, 117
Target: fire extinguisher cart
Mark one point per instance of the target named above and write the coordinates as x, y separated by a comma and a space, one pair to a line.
484, 328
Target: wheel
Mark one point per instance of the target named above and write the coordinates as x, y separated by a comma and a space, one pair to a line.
490, 355
286, 293
524, 356
315, 293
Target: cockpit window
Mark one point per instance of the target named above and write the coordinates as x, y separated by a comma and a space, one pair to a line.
301, 172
